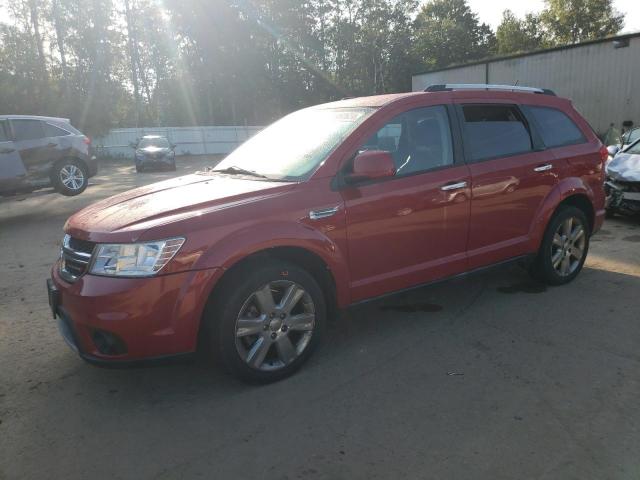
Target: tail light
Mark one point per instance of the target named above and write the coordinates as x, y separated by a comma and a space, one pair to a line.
604, 154
86, 140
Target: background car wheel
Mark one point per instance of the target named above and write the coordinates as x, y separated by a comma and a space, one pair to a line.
70, 177
266, 320
564, 247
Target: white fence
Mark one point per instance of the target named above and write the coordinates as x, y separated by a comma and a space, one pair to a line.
188, 140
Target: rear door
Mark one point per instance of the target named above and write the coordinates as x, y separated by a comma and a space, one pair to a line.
12, 171
38, 152
511, 175
411, 228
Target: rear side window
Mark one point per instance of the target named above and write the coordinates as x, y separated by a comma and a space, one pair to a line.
493, 131
556, 128
53, 131
27, 129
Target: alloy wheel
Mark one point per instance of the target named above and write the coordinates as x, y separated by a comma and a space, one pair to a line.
275, 325
568, 246
72, 177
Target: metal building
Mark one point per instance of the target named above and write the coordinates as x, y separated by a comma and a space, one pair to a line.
601, 77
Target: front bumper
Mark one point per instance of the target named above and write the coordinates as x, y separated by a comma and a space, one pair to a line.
156, 162
622, 196
120, 321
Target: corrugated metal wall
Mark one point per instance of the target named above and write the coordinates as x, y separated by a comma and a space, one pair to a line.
188, 140
602, 81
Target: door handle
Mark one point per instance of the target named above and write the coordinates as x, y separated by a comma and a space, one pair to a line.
7, 150
323, 213
453, 186
543, 168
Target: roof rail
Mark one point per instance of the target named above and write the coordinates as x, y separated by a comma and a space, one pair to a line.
484, 86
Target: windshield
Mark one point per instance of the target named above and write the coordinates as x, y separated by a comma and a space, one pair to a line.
633, 149
160, 142
293, 147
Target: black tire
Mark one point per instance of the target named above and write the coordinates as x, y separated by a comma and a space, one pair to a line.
543, 268
228, 303
609, 213
75, 187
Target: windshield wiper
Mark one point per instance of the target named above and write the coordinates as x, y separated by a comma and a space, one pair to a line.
233, 170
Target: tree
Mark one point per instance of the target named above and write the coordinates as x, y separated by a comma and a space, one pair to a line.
514, 35
447, 32
573, 21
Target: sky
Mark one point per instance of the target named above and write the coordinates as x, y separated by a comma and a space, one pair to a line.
490, 11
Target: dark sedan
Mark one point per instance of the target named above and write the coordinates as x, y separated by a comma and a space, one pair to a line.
155, 152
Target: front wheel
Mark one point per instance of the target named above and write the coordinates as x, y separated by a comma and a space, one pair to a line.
266, 321
70, 177
564, 247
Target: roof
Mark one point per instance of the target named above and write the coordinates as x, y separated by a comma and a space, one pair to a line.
370, 101
34, 117
528, 54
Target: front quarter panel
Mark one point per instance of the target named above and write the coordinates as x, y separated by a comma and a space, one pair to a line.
226, 237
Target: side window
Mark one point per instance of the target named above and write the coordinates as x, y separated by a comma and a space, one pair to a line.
492, 131
556, 128
419, 140
53, 131
4, 134
27, 129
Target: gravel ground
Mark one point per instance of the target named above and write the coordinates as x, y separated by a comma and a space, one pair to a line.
491, 376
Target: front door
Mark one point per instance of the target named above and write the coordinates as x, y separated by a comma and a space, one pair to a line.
411, 228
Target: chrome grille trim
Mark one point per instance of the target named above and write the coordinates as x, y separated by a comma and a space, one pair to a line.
74, 262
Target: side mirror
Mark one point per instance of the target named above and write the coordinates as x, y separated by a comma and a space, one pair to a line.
371, 165
613, 150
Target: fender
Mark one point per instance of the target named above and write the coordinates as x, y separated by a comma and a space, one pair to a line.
234, 247
566, 188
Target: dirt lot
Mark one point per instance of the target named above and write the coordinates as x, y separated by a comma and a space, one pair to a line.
488, 377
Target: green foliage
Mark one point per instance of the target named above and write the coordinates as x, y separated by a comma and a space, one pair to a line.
572, 21
110, 63
448, 32
514, 35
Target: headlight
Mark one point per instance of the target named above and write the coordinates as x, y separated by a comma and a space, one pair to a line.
134, 259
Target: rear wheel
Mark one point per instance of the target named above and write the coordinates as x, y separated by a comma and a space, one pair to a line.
564, 247
70, 177
266, 321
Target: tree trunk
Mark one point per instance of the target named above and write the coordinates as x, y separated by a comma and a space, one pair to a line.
60, 43
132, 60
33, 10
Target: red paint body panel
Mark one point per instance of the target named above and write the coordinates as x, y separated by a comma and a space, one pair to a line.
154, 316
386, 235
406, 231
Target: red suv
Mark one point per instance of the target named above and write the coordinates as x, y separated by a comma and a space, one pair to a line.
330, 206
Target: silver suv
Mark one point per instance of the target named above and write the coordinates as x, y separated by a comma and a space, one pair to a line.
36, 152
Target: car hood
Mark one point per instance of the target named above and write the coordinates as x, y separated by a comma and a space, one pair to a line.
624, 167
125, 217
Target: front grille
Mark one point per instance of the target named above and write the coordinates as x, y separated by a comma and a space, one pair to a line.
76, 257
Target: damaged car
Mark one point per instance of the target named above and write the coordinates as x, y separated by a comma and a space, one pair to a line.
622, 186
